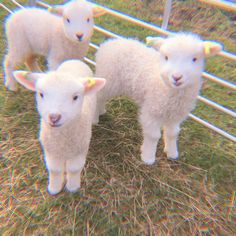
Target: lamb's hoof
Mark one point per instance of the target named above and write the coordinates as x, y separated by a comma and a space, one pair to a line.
102, 112
72, 187
95, 121
148, 161
54, 190
173, 158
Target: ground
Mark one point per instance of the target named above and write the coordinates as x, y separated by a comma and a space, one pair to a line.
119, 194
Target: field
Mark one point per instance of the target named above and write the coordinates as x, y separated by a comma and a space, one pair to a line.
120, 195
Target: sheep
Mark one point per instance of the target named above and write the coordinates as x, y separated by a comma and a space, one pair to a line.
164, 80
59, 34
66, 102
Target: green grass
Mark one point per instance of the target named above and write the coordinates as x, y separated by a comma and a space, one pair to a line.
119, 194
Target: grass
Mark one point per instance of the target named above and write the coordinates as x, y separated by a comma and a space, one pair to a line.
119, 194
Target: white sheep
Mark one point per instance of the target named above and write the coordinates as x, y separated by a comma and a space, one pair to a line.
59, 37
164, 82
66, 102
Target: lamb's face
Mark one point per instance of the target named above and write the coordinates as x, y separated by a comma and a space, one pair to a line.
182, 58
78, 21
181, 61
59, 96
59, 99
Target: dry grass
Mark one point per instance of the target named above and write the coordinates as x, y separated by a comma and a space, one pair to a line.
119, 194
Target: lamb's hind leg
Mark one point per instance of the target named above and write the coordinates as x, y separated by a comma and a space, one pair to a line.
32, 64
100, 108
151, 136
171, 132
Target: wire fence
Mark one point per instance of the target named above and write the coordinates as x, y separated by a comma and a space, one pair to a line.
226, 5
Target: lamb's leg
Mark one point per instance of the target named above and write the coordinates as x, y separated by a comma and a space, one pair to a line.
56, 169
9, 65
151, 136
171, 132
73, 170
101, 106
32, 64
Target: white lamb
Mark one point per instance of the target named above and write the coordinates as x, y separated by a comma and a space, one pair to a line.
66, 102
164, 81
59, 37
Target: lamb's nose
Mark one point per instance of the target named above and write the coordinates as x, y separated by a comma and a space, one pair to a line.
79, 36
177, 77
54, 118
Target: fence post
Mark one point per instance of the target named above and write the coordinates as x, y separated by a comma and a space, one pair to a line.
166, 15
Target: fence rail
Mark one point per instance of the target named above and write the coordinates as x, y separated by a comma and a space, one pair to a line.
162, 31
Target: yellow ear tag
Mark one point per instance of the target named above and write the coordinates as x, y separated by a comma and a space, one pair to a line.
50, 9
150, 41
91, 82
207, 49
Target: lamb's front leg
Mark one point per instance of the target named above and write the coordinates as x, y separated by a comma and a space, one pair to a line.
171, 132
151, 136
56, 169
73, 170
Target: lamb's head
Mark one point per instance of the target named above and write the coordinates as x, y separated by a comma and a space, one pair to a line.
59, 96
78, 19
182, 58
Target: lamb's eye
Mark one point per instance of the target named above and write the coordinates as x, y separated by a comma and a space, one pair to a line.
68, 20
194, 59
166, 58
75, 98
41, 95
88, 20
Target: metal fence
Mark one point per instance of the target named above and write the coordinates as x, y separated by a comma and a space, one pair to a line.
226, 5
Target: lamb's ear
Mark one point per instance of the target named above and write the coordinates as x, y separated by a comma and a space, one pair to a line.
98, 11
27, 79
58, 10
93, 84
155, 42
211, 48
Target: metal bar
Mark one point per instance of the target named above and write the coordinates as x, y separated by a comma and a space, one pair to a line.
135, 20
107, 32
217, 106
90, 61
17, 4
219, 81
210, 126
166, 15
227, 55
42, 4
6, 8
94, 46
226, 5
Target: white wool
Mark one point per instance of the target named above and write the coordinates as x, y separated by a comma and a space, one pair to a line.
65, 142
33, 31
146, 75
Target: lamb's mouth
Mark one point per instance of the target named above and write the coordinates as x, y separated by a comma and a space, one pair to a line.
55, 125
177, 83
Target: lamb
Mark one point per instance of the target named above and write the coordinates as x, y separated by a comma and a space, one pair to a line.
164, 80
59, 35
66, 100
